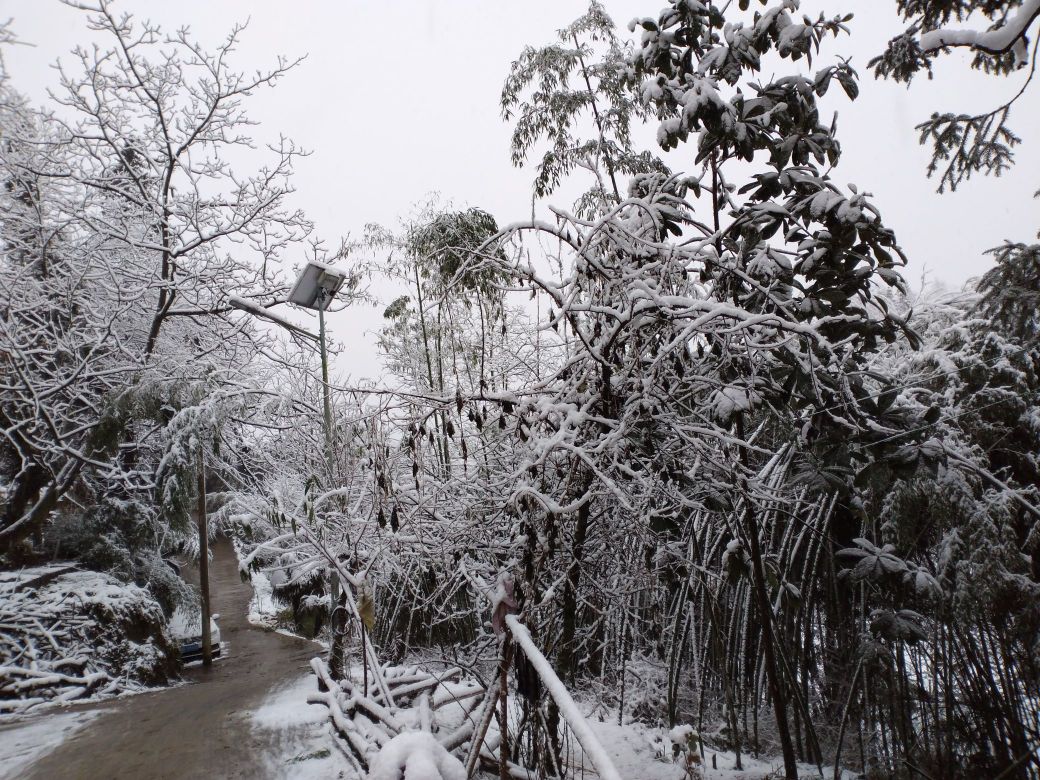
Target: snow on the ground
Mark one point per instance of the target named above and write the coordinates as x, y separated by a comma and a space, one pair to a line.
299, 745
24, 742
643, 753
637, 751
263, 610
264, 606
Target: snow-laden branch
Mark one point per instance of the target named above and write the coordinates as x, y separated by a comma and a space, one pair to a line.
994, 41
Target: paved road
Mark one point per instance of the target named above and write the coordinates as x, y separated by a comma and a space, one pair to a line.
200, 730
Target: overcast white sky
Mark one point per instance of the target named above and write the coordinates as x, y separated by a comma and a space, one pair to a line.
398, 99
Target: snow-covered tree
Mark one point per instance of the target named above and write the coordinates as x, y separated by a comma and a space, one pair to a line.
125, 234
698, 334
949, 573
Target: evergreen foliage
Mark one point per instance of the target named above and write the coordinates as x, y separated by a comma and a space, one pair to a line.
965, 144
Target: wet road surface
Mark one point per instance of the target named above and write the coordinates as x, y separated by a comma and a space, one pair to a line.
198, 730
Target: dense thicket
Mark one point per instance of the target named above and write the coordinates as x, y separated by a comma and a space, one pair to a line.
702, 428
738, 478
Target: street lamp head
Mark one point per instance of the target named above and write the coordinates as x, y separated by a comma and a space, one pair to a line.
317, 286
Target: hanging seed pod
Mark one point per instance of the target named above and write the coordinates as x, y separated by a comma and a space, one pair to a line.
449, 427
395, 523
464, 448
458, 401
507, 407
502, 422
415, 468
381, 518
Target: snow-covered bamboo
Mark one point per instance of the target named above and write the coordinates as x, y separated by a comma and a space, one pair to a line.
590, 743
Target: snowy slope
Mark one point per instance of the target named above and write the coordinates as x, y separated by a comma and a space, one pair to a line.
66, 634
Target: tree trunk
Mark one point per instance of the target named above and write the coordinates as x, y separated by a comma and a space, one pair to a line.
503, 702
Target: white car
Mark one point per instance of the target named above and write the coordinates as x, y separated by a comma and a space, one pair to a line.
186, 630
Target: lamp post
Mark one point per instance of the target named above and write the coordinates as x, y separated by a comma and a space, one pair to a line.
315, 288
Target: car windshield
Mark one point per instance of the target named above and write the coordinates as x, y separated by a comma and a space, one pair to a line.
185, 623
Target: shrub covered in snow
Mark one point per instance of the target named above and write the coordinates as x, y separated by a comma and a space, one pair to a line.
67, 633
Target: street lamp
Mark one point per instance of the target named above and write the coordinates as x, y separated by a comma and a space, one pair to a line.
315, 288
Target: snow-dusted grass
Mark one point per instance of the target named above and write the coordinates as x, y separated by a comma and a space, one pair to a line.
22, 743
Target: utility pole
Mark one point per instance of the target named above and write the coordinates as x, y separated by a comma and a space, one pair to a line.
315, 288
329, 452
337, 611
207, 648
